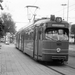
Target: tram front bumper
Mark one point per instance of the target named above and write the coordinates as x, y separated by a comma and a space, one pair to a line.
50, 57
58, 57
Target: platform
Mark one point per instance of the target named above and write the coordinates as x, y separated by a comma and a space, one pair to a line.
72, 50
14, 62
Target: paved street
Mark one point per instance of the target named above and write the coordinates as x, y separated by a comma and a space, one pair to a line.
14, 62
72, 50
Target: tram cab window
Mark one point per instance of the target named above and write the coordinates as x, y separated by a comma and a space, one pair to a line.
51, 35
56, 34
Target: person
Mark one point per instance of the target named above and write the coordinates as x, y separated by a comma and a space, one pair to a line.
52, 35
66, 36
55, 35
62, 36
48, 35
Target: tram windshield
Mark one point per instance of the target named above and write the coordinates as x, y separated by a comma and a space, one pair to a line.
56, 33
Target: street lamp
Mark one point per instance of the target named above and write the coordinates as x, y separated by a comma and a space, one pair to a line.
63, 9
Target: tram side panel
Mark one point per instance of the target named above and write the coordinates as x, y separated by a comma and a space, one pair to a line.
17, 41
22, 42
40, 50
28, 45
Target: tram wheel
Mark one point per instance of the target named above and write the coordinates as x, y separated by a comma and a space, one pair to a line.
62, 62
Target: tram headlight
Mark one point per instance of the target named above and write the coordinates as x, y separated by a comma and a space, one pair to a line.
58, 49
58, 19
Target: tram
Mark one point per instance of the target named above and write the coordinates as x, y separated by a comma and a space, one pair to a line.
46, 40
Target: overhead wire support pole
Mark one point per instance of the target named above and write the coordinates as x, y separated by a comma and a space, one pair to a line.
67, 10
34, 18
63, 9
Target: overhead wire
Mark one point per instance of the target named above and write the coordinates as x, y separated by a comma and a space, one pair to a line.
70, 6
66, 8
70, 10
34, 10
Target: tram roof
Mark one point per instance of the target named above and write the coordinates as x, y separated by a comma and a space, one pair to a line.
40, 21
47, 20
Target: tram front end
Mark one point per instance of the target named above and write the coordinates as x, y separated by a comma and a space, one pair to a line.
56, 41
55, 50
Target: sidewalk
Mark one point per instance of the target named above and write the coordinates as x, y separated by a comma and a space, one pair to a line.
72, 50
14, 62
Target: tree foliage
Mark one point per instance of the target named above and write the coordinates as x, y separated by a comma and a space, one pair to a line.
8, 25
1, 4
1, 30
73, 29
1, 1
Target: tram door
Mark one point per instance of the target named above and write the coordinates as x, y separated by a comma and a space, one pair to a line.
19, 43
36, 42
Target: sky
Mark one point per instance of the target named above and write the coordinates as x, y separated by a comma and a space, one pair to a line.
19, 13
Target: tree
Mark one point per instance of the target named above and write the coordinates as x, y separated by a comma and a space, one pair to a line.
73, 29
1, 5
8, 24
1, 1
1, 28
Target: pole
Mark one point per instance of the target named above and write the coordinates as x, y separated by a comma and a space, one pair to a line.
63, 12
67, 10
63, 9
34, 18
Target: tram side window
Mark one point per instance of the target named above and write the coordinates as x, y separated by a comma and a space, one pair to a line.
26, 36
31, 36
40, 36
20, 36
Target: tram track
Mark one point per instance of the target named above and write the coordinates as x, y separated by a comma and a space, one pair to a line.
51, 68
55, 70
70, 66
64, 69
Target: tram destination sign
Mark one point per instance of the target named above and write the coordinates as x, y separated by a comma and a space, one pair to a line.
57, 25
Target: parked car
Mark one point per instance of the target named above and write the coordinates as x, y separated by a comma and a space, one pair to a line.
7, 43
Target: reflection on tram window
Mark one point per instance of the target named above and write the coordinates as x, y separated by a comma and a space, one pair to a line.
48, 35
52, 35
